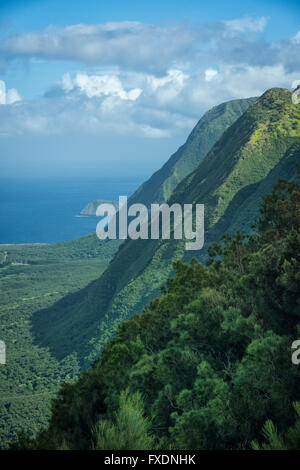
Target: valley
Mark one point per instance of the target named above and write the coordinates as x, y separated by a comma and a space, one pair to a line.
62, 304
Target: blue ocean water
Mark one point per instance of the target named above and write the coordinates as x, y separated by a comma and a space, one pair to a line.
46, 210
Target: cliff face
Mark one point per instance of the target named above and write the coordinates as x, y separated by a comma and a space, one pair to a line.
262, 145
91, 207
187, 158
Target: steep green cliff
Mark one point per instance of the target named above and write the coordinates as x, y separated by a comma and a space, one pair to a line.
245, 162
204, 135
208, 364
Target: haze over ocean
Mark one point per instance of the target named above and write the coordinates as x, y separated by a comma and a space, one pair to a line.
45, 210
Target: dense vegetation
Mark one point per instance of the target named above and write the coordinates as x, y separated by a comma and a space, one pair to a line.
56, 322
262, 145
209, 361
40, 282
32, 278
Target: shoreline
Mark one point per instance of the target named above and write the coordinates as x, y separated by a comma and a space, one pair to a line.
23, 244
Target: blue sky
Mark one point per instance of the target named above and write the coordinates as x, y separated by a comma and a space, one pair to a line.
38, 14
125, 81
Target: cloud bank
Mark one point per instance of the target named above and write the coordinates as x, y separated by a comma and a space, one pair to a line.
128, 44
153, 48
146, 80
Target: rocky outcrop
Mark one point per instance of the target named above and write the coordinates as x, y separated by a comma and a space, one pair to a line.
91, 207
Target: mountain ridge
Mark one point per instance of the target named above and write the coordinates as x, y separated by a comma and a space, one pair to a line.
140, 267
66, 333
207, 364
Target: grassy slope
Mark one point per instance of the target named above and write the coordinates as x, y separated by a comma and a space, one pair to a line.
260, 146
243, 208
204, 135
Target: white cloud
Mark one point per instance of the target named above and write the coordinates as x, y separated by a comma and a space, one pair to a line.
296, 38
2, 92
100, 104
151, 48
148, 80
129, 44
252, 81
10, 96
247, 25
137, 104
210, 74
99, 85
173, 76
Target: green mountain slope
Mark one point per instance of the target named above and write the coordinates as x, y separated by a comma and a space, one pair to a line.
38, 280
204, 135
208, 364
262, 144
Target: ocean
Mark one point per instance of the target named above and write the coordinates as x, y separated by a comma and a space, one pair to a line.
47, 210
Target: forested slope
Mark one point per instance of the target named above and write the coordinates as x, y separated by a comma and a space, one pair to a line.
41, 279
208, 362
33, 278
245, 162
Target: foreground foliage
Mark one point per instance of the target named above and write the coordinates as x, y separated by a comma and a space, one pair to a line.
289, 441
211, 356
129, 430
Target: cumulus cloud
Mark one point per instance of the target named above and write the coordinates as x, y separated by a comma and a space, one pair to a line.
210, 74
103, 85
98, 104
147, 80
8, 97
137, 103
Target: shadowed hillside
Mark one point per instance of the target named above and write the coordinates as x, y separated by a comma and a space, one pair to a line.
241, 166
45, 281
207, 365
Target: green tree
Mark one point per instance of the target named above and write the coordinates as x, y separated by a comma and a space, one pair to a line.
130, 429
274, 441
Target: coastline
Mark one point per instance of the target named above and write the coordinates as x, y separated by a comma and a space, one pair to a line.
23, 244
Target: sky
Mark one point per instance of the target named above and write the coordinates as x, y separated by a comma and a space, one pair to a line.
113, 88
